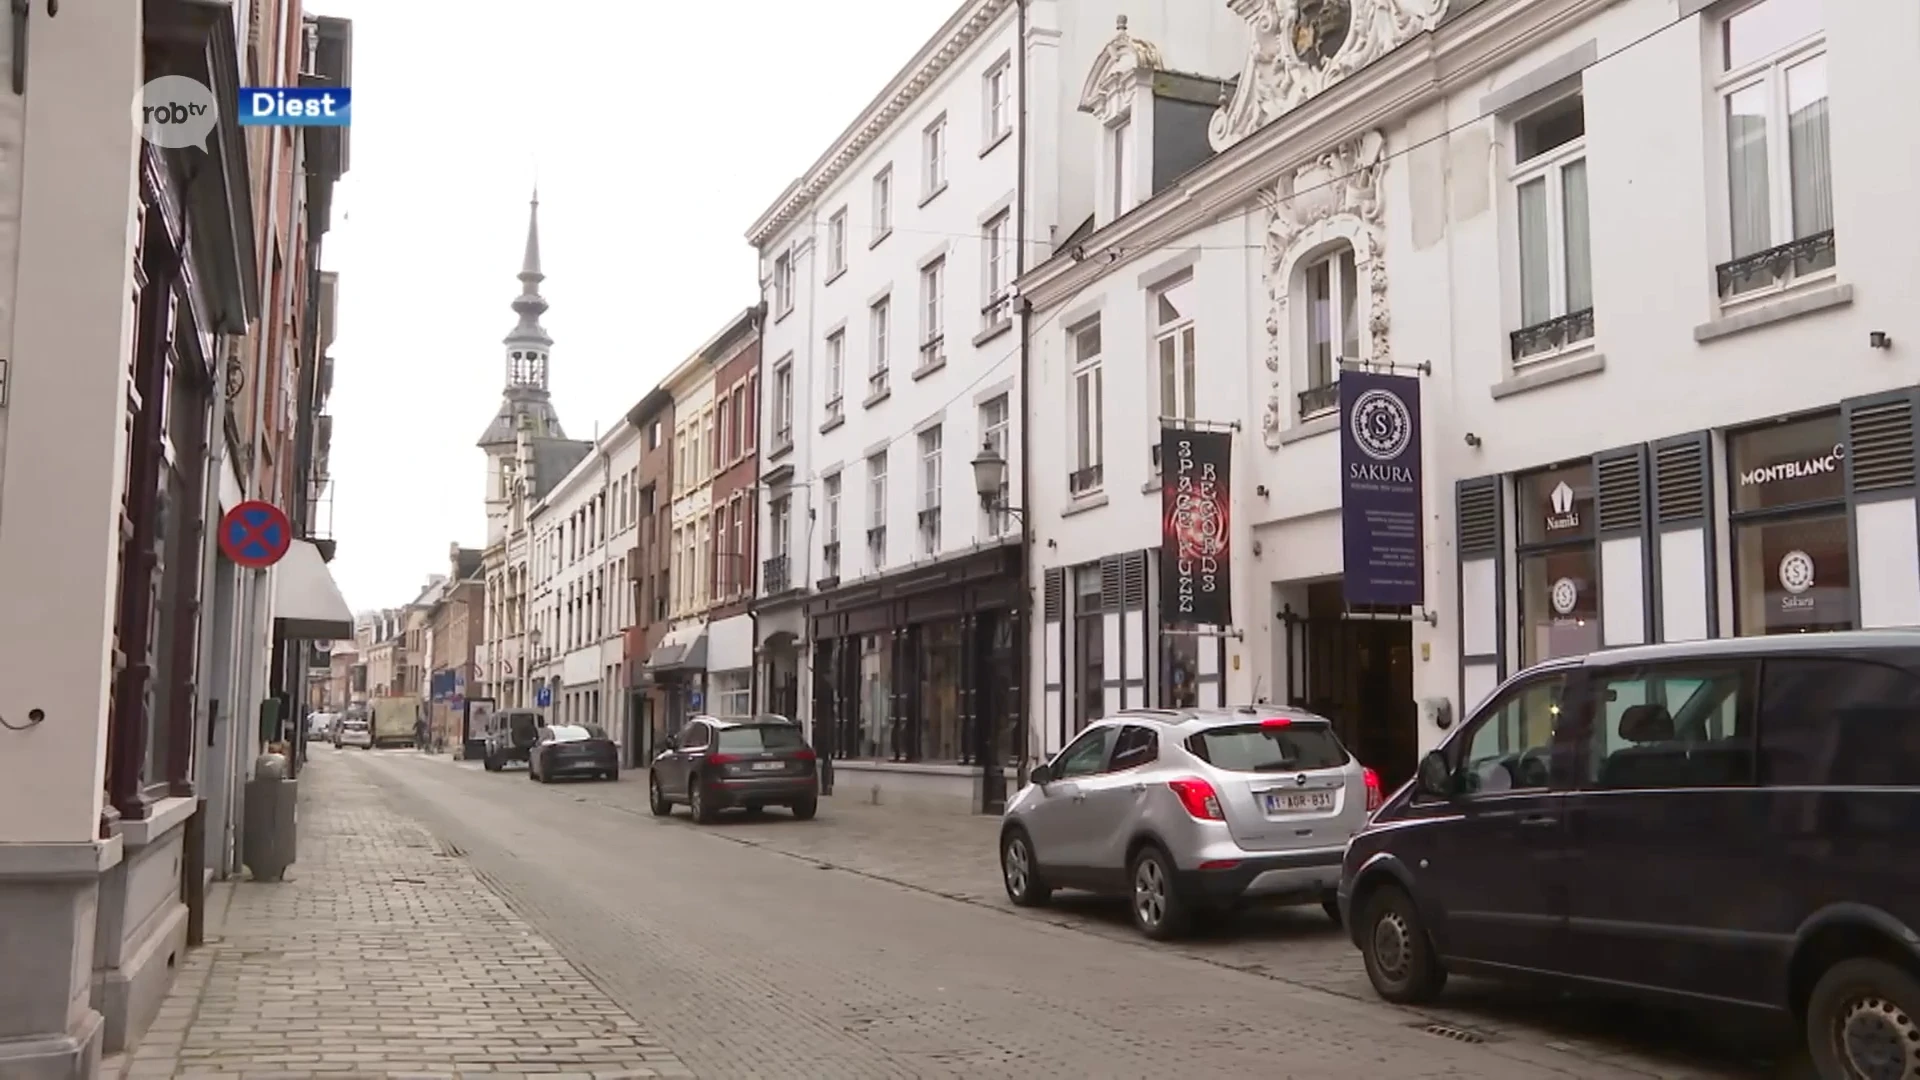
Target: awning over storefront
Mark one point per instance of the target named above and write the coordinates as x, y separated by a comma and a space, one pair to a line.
683, 649
307, 605
730, 644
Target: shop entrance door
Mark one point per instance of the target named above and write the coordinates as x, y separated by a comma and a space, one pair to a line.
1356, 669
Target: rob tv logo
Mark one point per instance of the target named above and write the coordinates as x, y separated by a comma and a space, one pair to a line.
295, 106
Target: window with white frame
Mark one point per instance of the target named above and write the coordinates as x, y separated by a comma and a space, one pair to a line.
1773, 93
830, 526
739, 570
1332, 311
1119, 168
836, 372
780, 524
1556, 248
933, 158
994, 421
1083, 345
882, 204
930, 441
877, 508
997, 85
782, 284
933, 286
837, 242
996, 257
880, 334
1173, 342
783, 405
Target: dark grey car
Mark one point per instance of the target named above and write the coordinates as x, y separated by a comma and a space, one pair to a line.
714, 765
565, 750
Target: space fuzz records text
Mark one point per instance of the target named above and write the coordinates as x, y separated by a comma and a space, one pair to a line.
1195, 515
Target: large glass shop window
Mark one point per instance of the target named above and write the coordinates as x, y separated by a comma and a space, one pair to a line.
1792, 569
1559, 563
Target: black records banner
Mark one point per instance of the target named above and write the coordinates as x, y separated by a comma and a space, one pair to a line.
1195, 515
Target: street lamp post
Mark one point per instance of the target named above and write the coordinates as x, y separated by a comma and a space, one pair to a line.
989, 480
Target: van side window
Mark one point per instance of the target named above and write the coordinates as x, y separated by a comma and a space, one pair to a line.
1680, 725
1508, 747
1840, 722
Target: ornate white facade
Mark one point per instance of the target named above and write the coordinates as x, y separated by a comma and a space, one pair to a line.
1539, 206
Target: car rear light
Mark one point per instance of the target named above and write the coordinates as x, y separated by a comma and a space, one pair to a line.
1220, 864
1374, 795
1276, 722
805, 753
722, 759
1199, 798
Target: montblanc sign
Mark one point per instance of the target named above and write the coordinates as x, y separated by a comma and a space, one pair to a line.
1827, 464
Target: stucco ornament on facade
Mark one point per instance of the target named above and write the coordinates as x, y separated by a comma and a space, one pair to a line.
1301, 47
1336, 195
1110, 85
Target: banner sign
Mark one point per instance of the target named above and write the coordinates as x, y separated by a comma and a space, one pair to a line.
1380, 491
1195, 515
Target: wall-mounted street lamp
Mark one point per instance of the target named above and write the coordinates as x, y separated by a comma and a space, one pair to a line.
990, 479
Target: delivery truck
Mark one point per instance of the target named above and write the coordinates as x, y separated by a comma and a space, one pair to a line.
393, 721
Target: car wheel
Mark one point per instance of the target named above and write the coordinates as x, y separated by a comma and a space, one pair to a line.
490, 763
1863, 1020
1331, 906
1158, 910
657, 799
1399, 956
805, 809
698, 802
1021, 872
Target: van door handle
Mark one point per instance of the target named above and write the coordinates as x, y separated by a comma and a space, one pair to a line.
1079, 796
1540, 821
1139, 787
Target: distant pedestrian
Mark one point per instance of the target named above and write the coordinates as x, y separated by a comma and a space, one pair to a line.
420, 732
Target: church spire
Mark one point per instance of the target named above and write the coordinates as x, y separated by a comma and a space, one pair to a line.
528, 344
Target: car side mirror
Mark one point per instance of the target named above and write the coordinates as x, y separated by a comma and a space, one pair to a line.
1435, 776
1040, 775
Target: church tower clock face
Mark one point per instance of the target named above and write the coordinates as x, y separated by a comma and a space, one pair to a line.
1320, 28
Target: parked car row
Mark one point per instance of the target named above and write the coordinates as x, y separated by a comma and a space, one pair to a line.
1725, 824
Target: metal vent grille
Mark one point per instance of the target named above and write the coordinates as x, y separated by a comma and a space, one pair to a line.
1680, 481
1110, 584
1133, 581
1622, 493
1880, 441
1479, 513
1054, 589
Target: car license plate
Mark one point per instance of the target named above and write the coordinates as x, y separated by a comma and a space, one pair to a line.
769, 766
1297, 802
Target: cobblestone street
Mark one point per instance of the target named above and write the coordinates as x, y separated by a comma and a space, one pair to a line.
382, 954
442, 922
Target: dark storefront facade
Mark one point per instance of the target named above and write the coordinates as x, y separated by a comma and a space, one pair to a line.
916, 681
1789, 524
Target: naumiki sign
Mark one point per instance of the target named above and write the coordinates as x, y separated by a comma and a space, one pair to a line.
295, 106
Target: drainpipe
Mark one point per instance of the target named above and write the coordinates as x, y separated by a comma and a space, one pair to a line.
754, 701
1024, 310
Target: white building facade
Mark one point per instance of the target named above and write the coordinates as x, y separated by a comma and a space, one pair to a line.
893, 355
1601, 308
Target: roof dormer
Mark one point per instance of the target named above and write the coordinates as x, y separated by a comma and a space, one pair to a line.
1119, 93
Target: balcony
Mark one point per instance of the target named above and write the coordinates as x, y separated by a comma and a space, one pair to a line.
877, 386
830, 560
998, 312
933, 356
1776, 266
776, 575
1082, 481
1552, 336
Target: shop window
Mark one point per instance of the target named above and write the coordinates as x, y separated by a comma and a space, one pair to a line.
1792, 555
1559, 563
1179, 671
876, 691
939, 693
732, 695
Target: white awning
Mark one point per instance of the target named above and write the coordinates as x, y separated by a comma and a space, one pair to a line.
307, 605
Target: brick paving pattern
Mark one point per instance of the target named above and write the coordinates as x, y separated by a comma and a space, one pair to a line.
875, 943
382, 955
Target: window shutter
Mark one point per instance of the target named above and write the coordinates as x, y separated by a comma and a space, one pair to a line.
1054, 589
1680, 479
1880, 452
1133, 581
1622, 491
1477, 506
1111, 568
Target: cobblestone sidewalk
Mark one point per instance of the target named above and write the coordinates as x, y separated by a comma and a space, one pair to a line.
382, 955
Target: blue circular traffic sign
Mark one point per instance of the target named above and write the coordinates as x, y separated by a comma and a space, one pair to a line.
255, 534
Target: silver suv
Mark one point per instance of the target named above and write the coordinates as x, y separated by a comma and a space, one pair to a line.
1189, 812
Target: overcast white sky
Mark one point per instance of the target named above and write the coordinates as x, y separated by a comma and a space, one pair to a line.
659, 132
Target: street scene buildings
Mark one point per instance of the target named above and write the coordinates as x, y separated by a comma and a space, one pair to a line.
1284, 369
